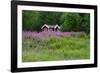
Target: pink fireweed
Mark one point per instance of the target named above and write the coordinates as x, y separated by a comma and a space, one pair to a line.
46, 34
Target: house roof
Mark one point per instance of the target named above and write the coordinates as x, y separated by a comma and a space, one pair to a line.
50, 26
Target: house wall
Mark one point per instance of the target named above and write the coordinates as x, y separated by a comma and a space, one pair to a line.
45, 29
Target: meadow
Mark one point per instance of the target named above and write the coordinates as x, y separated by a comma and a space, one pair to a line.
52, 46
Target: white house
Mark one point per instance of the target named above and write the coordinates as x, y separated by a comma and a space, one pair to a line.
46, 27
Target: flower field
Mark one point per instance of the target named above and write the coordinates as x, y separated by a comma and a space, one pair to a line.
50, 46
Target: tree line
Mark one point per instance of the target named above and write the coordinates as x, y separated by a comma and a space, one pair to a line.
34, 20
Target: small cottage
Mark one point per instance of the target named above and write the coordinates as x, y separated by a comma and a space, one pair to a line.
46, 27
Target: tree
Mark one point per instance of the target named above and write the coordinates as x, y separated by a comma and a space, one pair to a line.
70, 21
34, 20
85, 23
30, 18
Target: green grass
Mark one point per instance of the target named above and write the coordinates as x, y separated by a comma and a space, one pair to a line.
55, 48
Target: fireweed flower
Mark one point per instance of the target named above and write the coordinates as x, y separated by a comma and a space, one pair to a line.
46, 34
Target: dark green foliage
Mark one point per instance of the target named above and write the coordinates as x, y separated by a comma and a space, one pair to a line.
70, 21
29, 18
49, 18
85, 23
34, 20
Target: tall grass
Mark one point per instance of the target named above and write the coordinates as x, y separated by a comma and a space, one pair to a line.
55, 48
